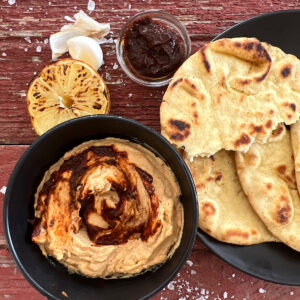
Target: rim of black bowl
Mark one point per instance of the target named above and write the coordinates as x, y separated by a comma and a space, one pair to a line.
19, 163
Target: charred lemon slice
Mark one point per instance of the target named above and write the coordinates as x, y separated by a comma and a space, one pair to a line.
65, 90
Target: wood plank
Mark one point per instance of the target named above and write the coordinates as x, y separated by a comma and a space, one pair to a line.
36, 20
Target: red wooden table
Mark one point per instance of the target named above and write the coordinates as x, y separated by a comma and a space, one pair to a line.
24, 49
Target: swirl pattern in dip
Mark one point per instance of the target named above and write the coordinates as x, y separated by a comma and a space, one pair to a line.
109, 208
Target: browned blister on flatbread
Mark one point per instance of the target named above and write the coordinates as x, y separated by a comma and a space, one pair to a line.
224, 211
267, 175
229, 94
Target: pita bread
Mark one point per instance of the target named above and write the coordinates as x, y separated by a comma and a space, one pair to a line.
229, 94
224, 211
267, 176
295, 138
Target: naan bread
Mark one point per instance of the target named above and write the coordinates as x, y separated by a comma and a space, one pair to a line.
267, 176
229, 94
224, 211
295, 138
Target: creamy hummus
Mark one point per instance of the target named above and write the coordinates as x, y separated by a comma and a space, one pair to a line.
109, 208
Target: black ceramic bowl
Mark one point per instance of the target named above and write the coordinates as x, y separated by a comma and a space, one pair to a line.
47, 275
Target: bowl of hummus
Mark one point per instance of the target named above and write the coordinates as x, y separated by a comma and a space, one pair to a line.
100, 207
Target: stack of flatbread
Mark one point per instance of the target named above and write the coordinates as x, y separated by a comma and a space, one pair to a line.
226, 109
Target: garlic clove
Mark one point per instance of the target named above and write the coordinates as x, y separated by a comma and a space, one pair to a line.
87, 50
58, 42
83, 26
91, 27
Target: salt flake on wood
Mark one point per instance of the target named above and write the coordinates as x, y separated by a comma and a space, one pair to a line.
171, 286
69, 19
91, 5
27, 39
189, 262
3, 190
11, 2
38, 49
262, 291
225, 295
4, 54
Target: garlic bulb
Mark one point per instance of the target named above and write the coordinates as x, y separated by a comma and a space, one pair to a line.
87, 50
83, 26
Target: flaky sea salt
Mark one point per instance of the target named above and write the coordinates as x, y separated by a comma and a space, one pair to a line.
291, 293
171, 286
38, 49
69, 19
91, 5
27, 39
4, 54
193, 272
46, 41
189, 262
115, 66
25, 49
11, 2
108, 77
30, 8
3, 190
129, 95
262, 291
129, 6
225, 295
233, 275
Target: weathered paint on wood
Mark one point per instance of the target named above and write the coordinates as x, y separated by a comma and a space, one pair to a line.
35, 19
204, 276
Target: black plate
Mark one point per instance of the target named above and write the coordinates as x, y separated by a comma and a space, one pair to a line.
274, 262
50, 277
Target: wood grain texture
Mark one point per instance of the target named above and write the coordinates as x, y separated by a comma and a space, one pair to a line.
204, 276
38, 19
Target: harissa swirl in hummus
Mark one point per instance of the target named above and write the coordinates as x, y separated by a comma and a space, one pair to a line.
109, 208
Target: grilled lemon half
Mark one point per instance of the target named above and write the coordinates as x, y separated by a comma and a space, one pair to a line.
65, 90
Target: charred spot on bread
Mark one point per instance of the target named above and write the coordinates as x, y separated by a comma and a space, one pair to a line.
179, 130
208, 209
286, 71
244, 139
176, 82
204, 59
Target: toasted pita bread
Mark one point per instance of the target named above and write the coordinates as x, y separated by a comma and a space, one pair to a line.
229, 94
267, 176
295, 138
224, 211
